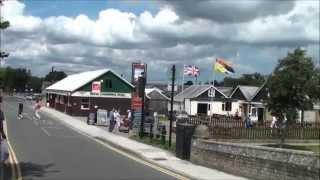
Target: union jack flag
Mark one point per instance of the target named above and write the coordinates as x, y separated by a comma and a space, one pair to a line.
191, 70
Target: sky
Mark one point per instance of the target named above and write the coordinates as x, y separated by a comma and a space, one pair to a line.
81, 35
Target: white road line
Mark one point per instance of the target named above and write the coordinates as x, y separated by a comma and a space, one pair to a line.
54, 127
45, 131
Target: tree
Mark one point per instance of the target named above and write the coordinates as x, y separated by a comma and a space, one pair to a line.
293, 86
189, 83
35, 83
55, 76
255, 79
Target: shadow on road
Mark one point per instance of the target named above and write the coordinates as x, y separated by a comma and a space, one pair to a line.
35, 170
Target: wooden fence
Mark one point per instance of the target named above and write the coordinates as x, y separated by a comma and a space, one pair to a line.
232, 122
224, 127
264, 133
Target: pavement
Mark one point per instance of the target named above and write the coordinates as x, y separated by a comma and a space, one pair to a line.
49, 149
150, 154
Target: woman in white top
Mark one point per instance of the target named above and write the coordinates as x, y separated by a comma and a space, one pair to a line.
118, 119
274, 122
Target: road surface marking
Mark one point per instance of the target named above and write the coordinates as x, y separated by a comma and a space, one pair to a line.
45, 131
14, 160
158, 168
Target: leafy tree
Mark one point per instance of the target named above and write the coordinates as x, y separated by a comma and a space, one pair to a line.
55, 76
255, 79
35, 83
188, 83
294, 85
4, 24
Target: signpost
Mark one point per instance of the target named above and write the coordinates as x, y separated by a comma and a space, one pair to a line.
139, 76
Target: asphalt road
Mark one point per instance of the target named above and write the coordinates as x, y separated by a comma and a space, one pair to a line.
47, 149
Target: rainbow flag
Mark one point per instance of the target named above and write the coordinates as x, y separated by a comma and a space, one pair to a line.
223, 66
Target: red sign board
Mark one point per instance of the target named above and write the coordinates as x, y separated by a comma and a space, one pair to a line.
96, 87
136, 103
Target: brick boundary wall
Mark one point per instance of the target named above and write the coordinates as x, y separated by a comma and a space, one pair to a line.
255, 161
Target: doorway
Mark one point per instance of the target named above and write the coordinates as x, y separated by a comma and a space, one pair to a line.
202, 108
260, 115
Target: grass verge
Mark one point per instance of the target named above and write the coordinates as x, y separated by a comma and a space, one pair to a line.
155, 142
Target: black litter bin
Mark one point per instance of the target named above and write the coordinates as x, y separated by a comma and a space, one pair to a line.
184, 134
91, 118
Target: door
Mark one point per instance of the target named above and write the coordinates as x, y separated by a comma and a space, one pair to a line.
260, 115
202, 108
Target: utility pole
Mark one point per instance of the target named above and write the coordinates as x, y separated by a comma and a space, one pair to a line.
171, 103
142, 83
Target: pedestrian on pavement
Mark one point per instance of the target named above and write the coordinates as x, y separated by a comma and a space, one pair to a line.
37, 107
3, 135
248, 122
118, 119
112, 120
274, 122
20, 110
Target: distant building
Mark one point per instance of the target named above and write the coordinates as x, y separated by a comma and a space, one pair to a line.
156, 101
78, 94
242, 97
204, 99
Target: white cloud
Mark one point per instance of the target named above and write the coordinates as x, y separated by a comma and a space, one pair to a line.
117, 38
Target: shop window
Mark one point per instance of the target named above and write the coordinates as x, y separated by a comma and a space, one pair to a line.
108, 83
85, 104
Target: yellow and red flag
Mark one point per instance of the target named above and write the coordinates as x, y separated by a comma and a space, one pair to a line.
223, 66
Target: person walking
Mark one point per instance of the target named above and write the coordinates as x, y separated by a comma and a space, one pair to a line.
274, 122
37, 107
2, 133
118, 119
20, 110
248, 122
111, 117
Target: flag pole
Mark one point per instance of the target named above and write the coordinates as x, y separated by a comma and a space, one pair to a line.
213, 79
183, 86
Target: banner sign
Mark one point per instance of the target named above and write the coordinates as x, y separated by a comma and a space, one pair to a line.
136, 103
96, 87
138, 70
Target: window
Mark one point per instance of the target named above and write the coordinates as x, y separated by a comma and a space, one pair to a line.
108, 83
85, 104
227, 106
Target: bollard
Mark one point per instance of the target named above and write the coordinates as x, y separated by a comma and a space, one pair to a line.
163, 134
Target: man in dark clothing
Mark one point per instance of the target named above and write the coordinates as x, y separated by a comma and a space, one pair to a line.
3, 135
20, 110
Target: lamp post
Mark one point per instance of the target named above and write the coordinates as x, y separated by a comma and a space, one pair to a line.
171, 103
